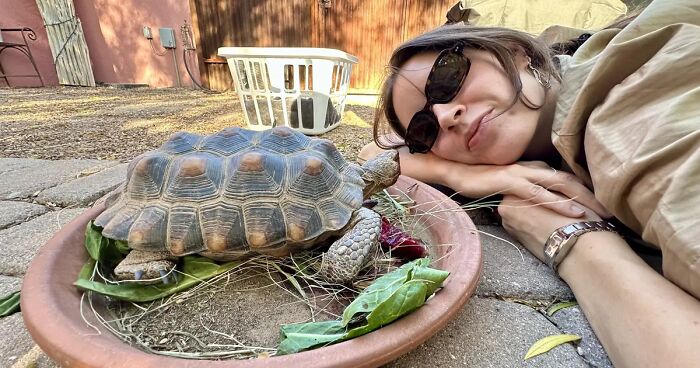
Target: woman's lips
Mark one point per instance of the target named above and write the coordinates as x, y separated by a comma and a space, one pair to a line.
476, 137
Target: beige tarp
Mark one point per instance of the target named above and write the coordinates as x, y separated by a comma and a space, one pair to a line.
533, 16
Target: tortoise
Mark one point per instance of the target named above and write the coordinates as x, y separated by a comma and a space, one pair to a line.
239, 193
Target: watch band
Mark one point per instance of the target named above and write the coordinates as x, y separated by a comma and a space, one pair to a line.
563, 239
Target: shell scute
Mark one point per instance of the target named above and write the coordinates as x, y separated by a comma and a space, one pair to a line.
180, 142
303, 221
194, 177
312, 177
227, 142
254, 173
145, 176
222, 227
282, 140
184, 233
264, 224
148, 232
327, 149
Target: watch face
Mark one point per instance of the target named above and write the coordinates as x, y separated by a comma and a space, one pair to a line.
570, 229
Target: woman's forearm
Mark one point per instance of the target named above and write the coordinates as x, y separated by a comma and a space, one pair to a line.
641, 318
427, 168
535, 182
469, 180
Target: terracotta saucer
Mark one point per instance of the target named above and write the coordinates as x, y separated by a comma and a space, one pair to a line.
51, 304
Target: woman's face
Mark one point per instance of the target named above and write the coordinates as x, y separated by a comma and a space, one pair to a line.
470, 130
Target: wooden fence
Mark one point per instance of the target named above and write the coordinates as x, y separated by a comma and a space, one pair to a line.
368, 29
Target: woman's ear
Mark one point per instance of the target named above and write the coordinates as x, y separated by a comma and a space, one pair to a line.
521, 57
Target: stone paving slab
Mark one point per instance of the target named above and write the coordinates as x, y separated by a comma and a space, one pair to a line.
13, 212
9, 284
15, 340
85, 190
22, 178
20, 243
573, 321
491, 333
18, 348
511, 271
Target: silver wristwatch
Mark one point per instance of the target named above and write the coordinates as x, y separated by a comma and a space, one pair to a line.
563, 239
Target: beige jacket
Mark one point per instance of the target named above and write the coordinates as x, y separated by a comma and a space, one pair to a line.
628, 122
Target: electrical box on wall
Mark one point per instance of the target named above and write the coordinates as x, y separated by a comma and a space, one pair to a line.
167, 37
147, 32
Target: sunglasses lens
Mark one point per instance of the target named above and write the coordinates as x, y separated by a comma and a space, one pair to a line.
422, 132
447, 76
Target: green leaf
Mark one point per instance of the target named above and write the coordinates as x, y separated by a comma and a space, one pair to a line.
9, 304
108, 252
384, 287
87, 270
378, 291
548, 343
559, 306
432, 277
406, 299
302, 336
195, 268
385, 300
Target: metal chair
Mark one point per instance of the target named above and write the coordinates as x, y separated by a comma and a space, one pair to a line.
27, 33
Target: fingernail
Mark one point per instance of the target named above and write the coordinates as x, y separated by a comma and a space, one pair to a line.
577, 209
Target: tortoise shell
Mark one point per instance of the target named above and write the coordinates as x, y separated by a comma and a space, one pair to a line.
234, 193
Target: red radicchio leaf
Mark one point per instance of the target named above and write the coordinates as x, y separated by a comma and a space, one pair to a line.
400, 243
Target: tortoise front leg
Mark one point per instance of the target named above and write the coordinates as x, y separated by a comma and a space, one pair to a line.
151, 267
355, 248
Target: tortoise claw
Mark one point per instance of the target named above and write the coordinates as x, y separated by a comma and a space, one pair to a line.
138, 275
164, 276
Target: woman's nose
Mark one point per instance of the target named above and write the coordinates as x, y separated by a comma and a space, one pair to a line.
449, 115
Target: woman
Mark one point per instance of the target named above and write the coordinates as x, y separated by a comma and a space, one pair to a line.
485, 110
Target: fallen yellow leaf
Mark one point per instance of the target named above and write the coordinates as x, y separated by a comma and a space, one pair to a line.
548, 343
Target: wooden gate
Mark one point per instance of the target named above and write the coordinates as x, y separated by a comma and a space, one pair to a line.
368, 29
70, 52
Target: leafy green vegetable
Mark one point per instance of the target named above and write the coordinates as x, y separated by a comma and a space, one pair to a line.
9, 304
108, 252
559, 306
302, 336
195, 268
385, 300
548, 343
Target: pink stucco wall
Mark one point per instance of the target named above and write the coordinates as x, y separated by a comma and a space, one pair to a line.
113, 32
19, 14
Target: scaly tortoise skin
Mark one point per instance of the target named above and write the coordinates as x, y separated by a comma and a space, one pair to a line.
239, 193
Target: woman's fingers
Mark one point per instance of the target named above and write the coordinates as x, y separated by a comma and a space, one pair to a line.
542, 185
540, 195
572, 187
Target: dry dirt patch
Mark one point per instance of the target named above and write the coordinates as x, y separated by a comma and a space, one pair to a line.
119, 124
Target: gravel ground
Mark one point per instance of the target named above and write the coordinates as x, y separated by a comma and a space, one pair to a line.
119, 124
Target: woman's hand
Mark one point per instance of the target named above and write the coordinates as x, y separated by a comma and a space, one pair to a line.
532, 181
532, 224
540, 184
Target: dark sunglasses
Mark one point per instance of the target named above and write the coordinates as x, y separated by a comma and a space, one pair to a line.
444, 82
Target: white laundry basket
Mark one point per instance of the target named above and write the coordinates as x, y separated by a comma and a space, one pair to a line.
302, 88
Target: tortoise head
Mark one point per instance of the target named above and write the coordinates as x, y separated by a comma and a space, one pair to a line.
380, 172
